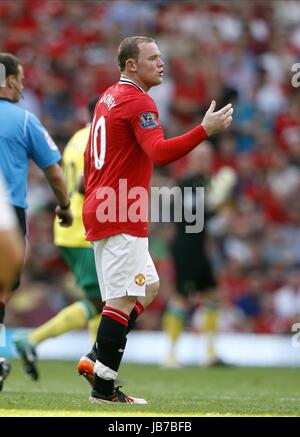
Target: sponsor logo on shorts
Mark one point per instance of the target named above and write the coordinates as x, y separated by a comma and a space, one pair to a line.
140, 279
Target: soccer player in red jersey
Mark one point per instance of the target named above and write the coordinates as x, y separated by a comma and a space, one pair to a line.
125, 140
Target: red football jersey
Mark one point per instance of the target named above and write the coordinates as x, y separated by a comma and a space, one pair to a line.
125, 139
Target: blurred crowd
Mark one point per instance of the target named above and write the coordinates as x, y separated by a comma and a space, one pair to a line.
229, 51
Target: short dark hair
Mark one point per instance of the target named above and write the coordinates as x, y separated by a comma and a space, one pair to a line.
11, 64
129, 48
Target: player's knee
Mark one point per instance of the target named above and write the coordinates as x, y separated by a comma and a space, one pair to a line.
152, 290
212, 296
178, 301
124, 303
16, 283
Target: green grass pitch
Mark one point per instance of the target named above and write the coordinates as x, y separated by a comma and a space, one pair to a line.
190, 391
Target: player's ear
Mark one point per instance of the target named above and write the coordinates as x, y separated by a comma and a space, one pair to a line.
131, 65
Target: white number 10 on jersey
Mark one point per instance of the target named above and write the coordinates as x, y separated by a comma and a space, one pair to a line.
99, 160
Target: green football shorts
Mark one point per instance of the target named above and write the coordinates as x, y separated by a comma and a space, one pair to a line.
82, 264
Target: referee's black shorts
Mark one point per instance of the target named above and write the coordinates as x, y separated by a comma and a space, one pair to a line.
21, 217
193, 270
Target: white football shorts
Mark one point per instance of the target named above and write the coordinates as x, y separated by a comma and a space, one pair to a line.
124, 266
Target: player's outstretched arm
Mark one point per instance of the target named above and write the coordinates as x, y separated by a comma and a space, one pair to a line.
163, 151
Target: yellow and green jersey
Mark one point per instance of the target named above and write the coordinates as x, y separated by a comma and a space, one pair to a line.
73, 236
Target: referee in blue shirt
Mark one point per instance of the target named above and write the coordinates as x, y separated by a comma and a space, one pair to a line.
23, 138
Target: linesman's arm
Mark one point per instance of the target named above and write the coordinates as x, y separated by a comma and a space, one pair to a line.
55, 177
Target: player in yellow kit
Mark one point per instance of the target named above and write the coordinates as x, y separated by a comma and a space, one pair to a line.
78, 254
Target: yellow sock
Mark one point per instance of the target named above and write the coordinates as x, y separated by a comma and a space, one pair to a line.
93, 327
210, 327
173, 325
74, 316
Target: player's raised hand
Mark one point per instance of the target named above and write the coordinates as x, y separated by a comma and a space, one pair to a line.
213, 122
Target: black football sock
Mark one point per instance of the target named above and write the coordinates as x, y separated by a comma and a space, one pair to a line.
111, 342
135, 313
94, 348
2, 311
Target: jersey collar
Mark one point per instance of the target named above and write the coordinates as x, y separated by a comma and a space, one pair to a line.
130, 82
6, 100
